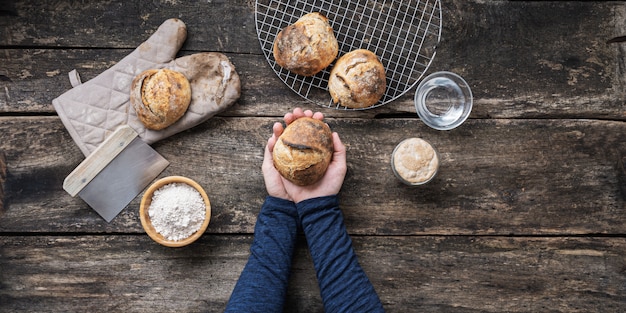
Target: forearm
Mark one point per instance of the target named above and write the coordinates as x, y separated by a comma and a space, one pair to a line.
262, 286
344, 286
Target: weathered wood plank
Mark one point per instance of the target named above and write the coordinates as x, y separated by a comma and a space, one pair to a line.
228, 26
557, 177
520, 61
36, 77
411, 274
212, 26
518, 55
3, 178
526, 214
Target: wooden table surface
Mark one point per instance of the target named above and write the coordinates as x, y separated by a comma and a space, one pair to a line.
527, 213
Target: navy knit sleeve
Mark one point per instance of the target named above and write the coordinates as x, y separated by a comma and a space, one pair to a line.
262, 286
344, 286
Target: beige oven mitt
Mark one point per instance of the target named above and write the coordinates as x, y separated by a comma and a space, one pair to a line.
93, 110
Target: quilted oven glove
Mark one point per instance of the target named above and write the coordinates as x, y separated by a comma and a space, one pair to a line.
93, 110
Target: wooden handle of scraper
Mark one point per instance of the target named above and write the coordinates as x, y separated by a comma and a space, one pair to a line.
98, 159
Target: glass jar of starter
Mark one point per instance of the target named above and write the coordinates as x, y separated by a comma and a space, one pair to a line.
415, 161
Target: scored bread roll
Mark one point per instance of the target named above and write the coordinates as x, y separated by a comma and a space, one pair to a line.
160, 97
303, 151
307, 46
357, 80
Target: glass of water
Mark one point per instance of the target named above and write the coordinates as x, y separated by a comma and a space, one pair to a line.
443, 100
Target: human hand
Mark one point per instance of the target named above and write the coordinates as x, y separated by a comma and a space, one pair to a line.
274, 182
329, 184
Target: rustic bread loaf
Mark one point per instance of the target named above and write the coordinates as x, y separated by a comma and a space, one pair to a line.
357, 80
160, 97
307, 46
303, 151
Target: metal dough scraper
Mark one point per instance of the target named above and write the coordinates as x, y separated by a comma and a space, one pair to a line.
115, 172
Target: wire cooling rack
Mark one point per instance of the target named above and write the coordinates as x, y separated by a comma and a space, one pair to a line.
403, 33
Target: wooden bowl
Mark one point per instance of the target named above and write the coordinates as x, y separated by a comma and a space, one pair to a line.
147, 200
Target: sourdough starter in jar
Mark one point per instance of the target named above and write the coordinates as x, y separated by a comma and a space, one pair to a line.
414, 161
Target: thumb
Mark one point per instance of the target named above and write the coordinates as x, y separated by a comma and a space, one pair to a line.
339, 148
339, 155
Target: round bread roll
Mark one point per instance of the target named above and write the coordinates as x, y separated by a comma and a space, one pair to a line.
357, 80
307, 46
303, 151
160, 97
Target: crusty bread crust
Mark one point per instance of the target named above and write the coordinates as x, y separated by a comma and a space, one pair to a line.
357, 80
307, 46
160, 97
303, 151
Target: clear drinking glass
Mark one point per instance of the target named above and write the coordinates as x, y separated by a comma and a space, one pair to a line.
443, 100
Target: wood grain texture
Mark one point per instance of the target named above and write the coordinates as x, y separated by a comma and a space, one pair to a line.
496, 177
3, 178
410, 274
519, 60
525, 215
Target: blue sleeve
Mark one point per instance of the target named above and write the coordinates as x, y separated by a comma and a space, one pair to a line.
344, 286
262, 286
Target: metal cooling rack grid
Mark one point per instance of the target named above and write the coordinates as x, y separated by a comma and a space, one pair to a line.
403, 34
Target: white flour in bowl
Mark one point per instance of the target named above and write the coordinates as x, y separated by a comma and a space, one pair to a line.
177, 211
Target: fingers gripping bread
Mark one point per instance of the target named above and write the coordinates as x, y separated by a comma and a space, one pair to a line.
303, 151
